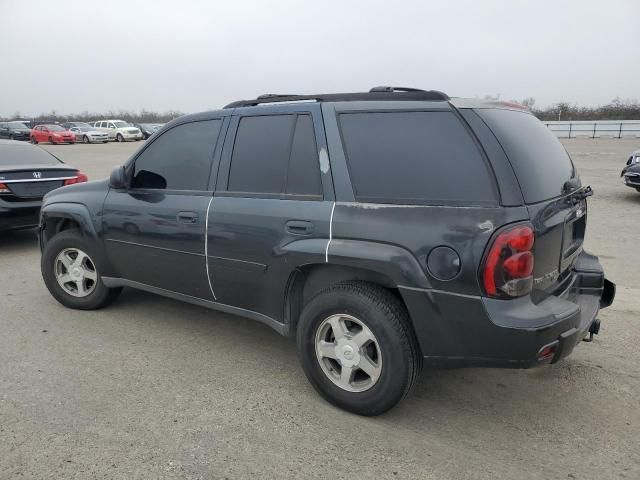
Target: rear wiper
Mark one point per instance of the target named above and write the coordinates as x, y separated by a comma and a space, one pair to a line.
578, 195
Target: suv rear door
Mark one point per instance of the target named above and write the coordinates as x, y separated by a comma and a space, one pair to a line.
154, 230
273, 194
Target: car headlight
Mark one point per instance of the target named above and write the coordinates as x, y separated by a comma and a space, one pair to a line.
636, 159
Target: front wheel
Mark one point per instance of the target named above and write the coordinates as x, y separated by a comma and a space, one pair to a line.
85, 139
71, 271
51, 141
34, 141
119, 138
357, 347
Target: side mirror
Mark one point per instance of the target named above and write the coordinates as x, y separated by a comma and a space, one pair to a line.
117, 179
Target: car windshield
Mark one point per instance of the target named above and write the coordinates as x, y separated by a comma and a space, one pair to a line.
25, 155
55, 128
121, 124
84, 129
82, 126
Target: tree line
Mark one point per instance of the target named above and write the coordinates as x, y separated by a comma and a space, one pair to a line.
617, 109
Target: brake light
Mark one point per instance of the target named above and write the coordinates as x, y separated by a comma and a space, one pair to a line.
79, 178
508, 265
4, 188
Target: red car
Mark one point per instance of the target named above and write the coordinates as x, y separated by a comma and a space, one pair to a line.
52, 134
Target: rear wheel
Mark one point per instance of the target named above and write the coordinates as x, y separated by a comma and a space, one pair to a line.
10, 137
119, 138
71, 271
358, 348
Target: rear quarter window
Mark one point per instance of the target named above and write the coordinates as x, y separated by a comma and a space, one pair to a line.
539, 160
406, 157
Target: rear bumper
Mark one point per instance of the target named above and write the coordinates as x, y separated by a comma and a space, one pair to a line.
14, 218
455, 330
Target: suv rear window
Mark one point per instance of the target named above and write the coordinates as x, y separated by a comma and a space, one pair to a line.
539, 160
415, 158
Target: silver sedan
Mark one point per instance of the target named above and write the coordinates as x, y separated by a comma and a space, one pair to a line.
89, 134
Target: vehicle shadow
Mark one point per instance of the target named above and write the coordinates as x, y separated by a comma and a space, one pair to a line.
16, 241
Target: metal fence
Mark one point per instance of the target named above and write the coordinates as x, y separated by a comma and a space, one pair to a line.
596, 129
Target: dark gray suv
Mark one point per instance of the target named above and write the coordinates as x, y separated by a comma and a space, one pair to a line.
385, 230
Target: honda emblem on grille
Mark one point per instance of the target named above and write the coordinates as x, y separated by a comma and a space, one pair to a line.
37, 174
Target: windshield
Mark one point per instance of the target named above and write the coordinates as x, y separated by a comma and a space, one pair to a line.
25, 155
82, 126
55, 128
121, 124
84, 129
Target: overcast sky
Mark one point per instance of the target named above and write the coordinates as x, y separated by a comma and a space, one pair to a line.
77, 55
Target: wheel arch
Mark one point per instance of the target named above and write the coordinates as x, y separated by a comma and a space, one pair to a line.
307, 281
57, 217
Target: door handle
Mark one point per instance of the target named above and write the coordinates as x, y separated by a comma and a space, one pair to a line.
299, 227
187, 217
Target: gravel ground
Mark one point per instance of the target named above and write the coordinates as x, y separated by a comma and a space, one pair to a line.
152, 388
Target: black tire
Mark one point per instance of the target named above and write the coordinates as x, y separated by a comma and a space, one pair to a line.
11, 137
51, 141
145, 136
99, 297
85, 139
119, 138
387, 319
34, 141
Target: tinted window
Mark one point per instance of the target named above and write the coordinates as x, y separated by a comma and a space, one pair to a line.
414, 157
304, 173
25, 155
180, 159
540, 161
261, 154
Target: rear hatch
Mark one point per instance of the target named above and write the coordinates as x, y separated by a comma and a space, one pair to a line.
552, 192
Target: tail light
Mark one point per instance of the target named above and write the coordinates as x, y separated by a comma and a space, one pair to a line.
79, 178
4, 188
507, 270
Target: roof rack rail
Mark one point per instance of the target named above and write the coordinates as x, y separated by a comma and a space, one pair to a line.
376, 93
395, 89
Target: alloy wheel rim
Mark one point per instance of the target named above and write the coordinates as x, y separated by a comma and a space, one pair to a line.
75, 272
348, 353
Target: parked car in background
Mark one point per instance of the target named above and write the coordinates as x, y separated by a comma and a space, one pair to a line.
384, 230
15, 131
27, 173
89, 134
52, 133
118, 130
148, 129
631, 172
69, 125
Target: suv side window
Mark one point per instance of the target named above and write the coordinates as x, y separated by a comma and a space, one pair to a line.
275, 156
304, 175
412, 157
179, 159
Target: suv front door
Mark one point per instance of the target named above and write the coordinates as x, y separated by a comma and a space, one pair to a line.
272, 196
154, 230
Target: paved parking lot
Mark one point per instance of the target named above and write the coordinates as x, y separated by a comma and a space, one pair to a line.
152, 388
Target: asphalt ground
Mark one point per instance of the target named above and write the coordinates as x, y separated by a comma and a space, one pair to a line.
153, 388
